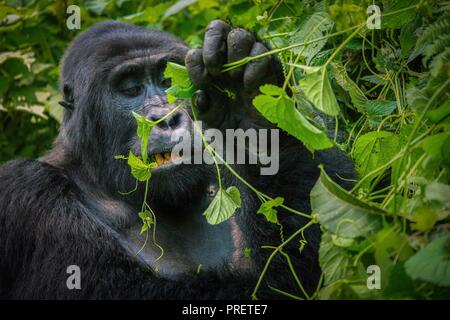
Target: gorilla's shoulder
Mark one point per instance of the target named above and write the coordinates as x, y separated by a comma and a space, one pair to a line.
29, 183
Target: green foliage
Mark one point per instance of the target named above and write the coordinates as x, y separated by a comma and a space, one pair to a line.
182, 86
374, 149
223, 206
340, 212
139, 169
317, 89
275, 105
386, 89
432, 263
267, 209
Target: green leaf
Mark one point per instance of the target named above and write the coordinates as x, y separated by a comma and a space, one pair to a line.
317, 89
182, 86
223, 206
440, 113
434, 145
374, 149
313, 27
408, 37
139, 169
97, 6
271, 90
342, 213
335, 261
144, 130
341, 77
177, 7
247, 252
144, 228
342, 242
400, 19
432, 263
438, 192
379, 108
424, 219
391, 247
146, 217
280, 109
267, 209
399, 285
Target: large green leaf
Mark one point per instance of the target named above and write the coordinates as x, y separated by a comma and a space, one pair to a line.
280, 109
432, 263
342, 213
374, 149
317, 89
223, 206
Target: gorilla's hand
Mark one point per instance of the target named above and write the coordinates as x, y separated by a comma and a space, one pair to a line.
224, 100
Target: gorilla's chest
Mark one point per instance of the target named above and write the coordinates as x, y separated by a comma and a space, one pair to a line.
188, 244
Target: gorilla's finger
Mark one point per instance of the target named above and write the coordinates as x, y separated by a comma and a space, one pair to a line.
196, 68
239, 43
214, 47
256, 71
201, 101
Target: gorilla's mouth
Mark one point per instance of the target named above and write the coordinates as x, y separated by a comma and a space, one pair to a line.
167, 158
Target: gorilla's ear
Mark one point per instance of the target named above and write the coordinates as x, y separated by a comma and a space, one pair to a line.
68, 101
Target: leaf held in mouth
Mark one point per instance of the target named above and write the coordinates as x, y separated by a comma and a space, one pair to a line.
139, 169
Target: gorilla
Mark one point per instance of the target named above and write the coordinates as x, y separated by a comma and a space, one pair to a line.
69, 208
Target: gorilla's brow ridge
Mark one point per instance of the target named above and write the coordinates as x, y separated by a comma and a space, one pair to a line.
134, 65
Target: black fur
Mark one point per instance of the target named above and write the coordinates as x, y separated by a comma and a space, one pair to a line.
65, 209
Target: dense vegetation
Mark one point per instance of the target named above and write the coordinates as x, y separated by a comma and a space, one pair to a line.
386, 89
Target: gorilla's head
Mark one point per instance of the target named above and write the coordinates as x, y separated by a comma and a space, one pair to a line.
109, 72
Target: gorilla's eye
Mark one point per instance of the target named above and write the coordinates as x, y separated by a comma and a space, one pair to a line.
166, 82
132, 91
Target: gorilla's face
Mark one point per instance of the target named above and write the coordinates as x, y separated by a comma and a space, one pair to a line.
138, 85
111, 71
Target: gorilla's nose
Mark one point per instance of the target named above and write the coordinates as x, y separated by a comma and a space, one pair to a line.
168, 121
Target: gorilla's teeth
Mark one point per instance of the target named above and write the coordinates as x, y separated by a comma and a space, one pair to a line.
176, 157
167, 156
159, 159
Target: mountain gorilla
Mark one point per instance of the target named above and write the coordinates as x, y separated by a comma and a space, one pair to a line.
67, 208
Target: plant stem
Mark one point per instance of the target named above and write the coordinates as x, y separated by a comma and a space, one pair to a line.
272, 255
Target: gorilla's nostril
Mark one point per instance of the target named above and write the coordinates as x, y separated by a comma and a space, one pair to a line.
154, 118
172, 121
175, 121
